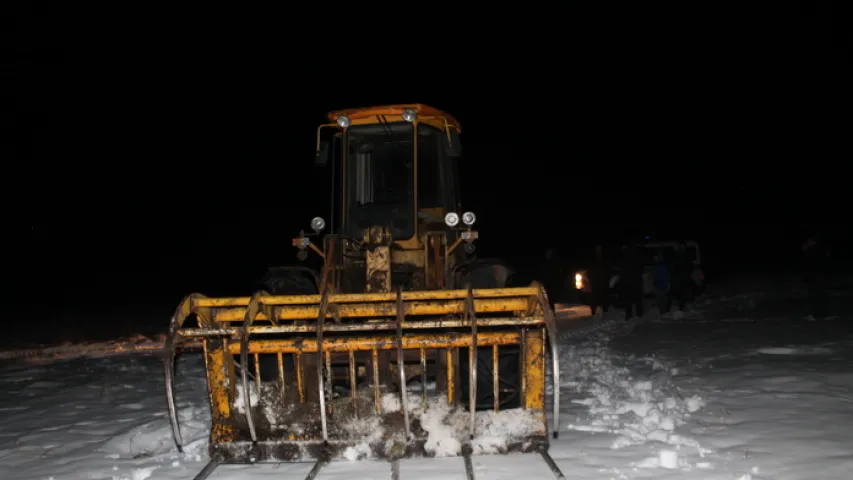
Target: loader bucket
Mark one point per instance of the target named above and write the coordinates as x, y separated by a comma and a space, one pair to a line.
379, 375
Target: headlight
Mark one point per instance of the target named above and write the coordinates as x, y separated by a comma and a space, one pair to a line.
468, 218
451, 219
410, 115
579, 281
343, 121
318, 224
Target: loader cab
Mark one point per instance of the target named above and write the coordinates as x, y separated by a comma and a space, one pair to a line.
392, 172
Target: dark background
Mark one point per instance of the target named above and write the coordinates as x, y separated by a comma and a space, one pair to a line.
168, 150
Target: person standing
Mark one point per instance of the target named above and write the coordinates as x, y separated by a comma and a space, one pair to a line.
661, 282
680, 277
599, 281
631, 282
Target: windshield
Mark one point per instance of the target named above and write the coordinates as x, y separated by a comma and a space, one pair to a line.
380, 178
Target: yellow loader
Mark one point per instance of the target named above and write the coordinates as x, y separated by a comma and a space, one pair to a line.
403, 344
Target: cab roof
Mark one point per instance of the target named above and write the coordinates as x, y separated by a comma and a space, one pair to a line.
368, 115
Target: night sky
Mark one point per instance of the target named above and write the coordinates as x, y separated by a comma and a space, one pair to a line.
171, 151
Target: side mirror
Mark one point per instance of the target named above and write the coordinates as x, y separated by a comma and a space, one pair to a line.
323, 154
454, 147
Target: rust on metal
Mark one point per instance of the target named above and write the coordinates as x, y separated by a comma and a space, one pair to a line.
373, 325
382, 309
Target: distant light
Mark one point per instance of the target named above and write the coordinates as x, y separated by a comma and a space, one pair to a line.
318, 224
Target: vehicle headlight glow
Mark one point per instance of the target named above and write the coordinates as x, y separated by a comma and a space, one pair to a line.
410, 115
343, 121
318, 224
468, 218
578, 281
451, 219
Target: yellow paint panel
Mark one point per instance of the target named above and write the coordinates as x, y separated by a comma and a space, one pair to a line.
380, 342
459, 294
220, 381
385, 309
535, 369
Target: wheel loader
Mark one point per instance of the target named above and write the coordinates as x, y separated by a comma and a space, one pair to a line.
403, 344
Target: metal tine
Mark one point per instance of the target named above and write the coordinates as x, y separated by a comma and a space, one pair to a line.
240, 367
316, 468
281, 385
207, 470
353, 383
469, 466
496, 378
551, 327
523, 366
556, 382
404, 394
451, 378
329, 391
321, 320
170, 399
423, 377
377, 397
552, 464
257, 360
251, 311
300, 388
472, 361
457, 373
169, 367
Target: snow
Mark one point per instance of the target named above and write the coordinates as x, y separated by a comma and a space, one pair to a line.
741, 386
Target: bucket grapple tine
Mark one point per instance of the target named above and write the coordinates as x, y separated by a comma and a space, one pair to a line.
251, 312
404, 396
472, 359
395, 469
423, 377
321, 321
551, 327
184, 310
469, 465
207, 470
551, 464
353, 381
315, 470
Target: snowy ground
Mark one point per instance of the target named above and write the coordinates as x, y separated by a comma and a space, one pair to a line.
742, 386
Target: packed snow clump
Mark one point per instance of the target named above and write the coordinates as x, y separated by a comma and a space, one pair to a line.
636, 410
